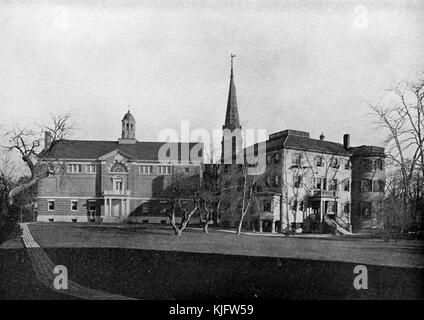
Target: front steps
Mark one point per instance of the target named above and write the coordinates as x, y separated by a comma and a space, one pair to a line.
113, 219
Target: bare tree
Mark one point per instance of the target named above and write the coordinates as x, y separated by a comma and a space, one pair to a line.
248, 183
182, 201
27, 143
403, 121
210, 193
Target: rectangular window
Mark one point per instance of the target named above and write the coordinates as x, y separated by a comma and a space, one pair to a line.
318, 161
74, 168
333, 185
318, 183
91, 168
378, 164
346, 207
118, 185
268, 159
366, 210
267, 181
146, 169
366, 165
297, 180
294, 205
331, 207
346, 185
366, 185
145, 208
74, 205
50, 205
92, 206
296, 158
266, 206
347, 164
334, 163
378, 185
164, 170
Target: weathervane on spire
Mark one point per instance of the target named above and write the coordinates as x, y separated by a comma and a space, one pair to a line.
232, 57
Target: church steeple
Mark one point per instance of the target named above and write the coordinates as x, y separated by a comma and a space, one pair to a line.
231, 116
232, 140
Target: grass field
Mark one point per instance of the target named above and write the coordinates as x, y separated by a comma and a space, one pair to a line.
368, 251
149, 262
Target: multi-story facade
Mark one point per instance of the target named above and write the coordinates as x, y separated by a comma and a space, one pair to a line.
112, 180
309, 185
368, 185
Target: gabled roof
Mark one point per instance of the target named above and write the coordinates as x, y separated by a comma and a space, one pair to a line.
89, 149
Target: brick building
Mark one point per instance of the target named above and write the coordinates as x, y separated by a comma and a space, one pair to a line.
112, 180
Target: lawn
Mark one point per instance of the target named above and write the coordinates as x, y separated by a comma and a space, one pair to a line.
404, 253
149, 262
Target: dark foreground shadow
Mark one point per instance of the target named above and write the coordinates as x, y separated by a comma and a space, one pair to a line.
148, 274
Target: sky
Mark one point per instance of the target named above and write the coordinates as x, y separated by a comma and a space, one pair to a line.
305, 65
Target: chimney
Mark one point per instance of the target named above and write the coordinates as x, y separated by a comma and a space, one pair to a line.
47, 139
321, 137
346, 141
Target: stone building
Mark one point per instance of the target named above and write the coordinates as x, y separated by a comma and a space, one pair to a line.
112, 180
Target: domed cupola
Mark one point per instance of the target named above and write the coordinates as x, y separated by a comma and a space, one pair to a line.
128, 129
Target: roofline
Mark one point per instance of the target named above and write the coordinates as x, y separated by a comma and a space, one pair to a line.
141, 161
347, 153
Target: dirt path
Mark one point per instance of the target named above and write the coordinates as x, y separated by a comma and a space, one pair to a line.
43, 267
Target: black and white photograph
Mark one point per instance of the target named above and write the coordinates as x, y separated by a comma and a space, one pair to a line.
213, 155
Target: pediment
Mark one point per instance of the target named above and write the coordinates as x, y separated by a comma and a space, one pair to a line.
117, 156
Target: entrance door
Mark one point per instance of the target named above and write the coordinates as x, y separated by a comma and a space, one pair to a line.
92, 210
116, 208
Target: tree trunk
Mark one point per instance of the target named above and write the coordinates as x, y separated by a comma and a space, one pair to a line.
205, 228
15, 191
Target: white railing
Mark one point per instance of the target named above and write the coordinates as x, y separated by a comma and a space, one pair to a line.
116, 192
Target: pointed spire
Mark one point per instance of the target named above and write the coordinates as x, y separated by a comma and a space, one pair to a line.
231, 116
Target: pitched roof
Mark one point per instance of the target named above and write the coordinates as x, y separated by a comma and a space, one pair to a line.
89, 149
297, 142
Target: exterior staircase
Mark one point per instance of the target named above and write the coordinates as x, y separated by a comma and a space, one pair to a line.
338, 226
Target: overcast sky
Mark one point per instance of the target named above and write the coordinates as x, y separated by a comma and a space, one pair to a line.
310, 66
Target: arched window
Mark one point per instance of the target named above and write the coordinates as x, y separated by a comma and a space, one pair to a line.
118, 167
127, 126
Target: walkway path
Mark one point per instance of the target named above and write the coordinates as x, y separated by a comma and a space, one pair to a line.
44, 267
